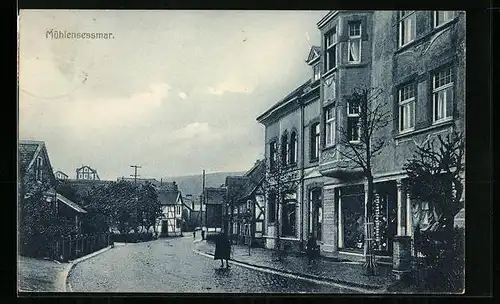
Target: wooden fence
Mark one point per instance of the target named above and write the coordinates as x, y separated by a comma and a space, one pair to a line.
75, 246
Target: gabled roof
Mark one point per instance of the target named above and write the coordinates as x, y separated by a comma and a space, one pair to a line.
29, 150
295, 93
70, 204
85, 166
168, 197
59, 171
254, 179
314, 54
215, 195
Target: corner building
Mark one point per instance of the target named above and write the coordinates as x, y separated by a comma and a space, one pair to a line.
417, 59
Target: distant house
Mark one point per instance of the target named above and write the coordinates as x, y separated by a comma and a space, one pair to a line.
87, 173
170, 222
247, 202
36, 174
61, 175
215, 206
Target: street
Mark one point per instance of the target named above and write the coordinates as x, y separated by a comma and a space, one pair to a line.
170, 265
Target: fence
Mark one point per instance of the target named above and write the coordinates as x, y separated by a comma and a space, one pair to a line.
75, 246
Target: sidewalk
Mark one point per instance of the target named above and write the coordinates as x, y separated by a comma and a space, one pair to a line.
341, 272
36, 275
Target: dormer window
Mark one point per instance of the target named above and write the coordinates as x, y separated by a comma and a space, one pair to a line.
316, 72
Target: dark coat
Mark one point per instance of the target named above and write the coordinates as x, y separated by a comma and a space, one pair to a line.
312, 246
222, 248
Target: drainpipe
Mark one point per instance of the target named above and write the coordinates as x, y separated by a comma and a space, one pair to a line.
302, 150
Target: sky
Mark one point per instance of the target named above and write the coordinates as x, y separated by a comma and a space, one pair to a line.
175, 92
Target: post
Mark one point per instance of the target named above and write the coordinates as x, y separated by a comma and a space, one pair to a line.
204, 203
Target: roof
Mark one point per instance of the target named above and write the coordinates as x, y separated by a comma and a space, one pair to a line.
70, 204
59, 171
168, 197
296, 92
254, 178
235, 185
85, 166
27, 151
215, 195
30, 149
326, 18
314, 53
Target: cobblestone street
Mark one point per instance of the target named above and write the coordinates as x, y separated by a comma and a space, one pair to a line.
169, 265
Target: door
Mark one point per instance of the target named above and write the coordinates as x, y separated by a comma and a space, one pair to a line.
385, 217
315, 213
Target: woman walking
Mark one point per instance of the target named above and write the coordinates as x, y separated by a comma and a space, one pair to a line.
222, 249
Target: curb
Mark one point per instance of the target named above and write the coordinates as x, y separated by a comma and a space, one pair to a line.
72, 264
316, 279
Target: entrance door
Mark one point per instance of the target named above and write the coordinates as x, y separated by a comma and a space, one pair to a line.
385, 217
315, 213
352, 217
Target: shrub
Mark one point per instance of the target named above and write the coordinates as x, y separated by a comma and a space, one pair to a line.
444, 257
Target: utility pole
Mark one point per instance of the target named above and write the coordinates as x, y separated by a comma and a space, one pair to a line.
135, 172
204, 203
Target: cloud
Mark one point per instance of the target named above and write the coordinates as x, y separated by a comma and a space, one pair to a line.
196, 130
182, 95
99, 113
231, 87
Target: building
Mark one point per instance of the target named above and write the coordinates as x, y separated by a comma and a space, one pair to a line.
293, 124
417, 59
61, 175
36, 174
87, 173
216, 209
246, 199
170, 222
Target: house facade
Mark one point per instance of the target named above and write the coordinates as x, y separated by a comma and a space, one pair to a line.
216, 210
417, 59
61, 175
36, 174
246, 199
170, 222
87, 173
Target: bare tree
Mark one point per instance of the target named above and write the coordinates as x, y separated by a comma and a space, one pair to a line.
279, 181
360, 142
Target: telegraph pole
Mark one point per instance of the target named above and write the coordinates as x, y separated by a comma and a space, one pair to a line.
135, 172
204, 203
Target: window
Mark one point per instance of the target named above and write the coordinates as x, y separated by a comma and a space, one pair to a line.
330, 126
353, 125
406, 27
331, 49
80, 175
406, 108
86, 170
38, 169
442, 95
354, 48
284, 150
271, 208
289, 215
293, 148
442, 17
315, 141
316, 72
272, 155
85, 176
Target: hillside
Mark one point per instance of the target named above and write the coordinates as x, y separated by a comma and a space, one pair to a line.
193, 184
